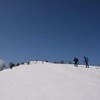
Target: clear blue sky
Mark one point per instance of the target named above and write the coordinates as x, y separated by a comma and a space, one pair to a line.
51, 30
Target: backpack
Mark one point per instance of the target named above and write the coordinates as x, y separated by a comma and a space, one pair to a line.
87, 59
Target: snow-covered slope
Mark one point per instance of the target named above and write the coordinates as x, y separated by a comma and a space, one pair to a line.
47, 81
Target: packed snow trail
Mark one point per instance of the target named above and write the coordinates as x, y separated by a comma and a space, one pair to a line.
50, 82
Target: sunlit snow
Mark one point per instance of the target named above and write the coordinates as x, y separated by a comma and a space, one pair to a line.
48, 81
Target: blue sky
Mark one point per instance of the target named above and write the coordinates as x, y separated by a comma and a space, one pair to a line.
51, 30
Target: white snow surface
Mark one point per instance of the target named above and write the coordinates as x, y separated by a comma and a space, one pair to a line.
47, 81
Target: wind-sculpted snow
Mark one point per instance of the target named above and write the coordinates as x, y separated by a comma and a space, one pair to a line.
47, 81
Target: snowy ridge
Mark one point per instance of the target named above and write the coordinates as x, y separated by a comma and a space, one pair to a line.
47, 81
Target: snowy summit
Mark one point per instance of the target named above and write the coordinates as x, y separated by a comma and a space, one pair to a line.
47, 81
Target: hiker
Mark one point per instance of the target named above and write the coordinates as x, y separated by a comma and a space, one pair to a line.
75, 61
86, 62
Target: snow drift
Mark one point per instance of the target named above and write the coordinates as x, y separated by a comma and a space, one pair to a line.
47, 81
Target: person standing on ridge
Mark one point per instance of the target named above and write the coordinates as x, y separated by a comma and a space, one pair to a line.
86, 62
75, 61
